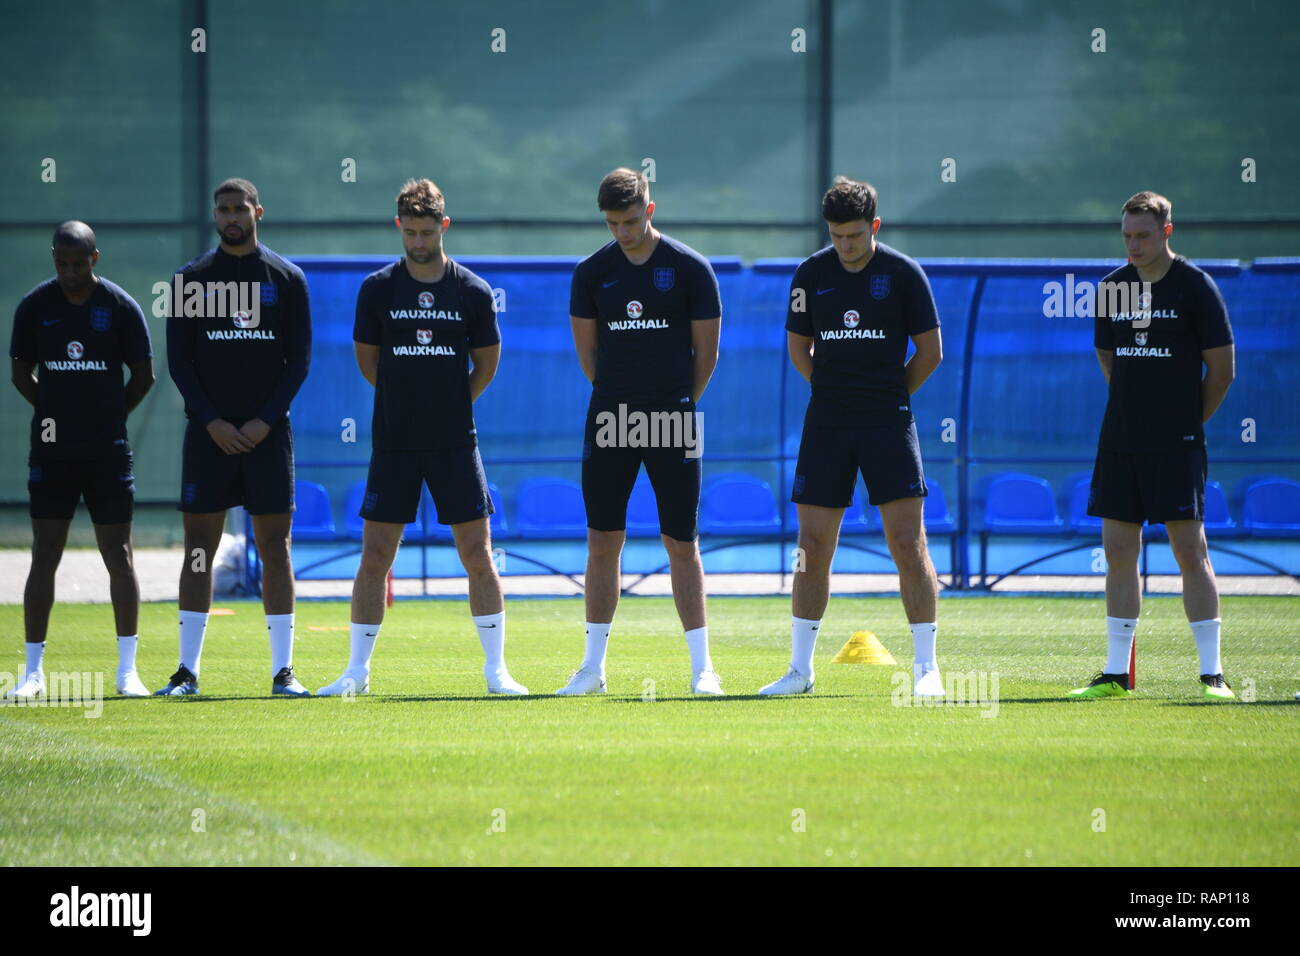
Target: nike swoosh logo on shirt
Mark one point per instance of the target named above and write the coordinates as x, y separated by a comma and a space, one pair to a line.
824, 291
606, 285
50, 321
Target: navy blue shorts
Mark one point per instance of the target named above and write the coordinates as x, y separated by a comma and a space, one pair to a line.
609, 468
888, 456
107, 482
260, 480
1155, 488
455, 478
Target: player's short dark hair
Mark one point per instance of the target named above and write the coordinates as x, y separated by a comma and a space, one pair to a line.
421, 199
74, 234
1149, 202
849, 200
622, 188
243, 186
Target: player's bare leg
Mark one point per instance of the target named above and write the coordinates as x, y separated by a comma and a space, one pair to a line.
379, 543
1200, 601
114, 542
49, 535
474, 546
274, 534
202, 538
918, 585
686, 571
819, 535
602, 585
1122, 542
602, 582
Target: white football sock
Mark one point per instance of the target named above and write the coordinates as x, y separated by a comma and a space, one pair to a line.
279, 627
803, 641
1206, 634
362, 646
492, 635
697, 642
193, 626
597, 645
35, 658
923, 640
126, 653
1119, 642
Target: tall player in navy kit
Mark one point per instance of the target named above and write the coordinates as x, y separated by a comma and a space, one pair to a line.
853, 307
79, 329
238, 357
421, 323
1151, 461
646, 318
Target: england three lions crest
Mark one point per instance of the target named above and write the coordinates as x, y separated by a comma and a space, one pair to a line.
880, 286
665, 278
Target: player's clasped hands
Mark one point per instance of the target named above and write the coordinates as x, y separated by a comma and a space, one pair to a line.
232, 440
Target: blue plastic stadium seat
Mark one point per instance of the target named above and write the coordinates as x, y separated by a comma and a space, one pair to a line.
312, 520
739, 504
352, 521
642, 509
1272, 508
1080, 520
938, 520
1017, 503
1218, 522
551, 508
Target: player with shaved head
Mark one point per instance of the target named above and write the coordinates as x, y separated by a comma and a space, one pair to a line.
72, 334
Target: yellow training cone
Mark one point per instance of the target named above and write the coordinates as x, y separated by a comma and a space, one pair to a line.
864, 648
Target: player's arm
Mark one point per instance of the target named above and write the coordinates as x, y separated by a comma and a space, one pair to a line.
584, 340
368, 361
137, 387
926, 358
800, 348
180, 365
1106, 359
297, 331
705, 334
485, 361
24, 378
1220, 370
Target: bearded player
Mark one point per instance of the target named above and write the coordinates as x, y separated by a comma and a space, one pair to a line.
426, 338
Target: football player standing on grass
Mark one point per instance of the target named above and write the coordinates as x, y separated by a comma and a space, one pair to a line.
1151, 461
79, 330
853, 308
238, 363
426, 338
646, 317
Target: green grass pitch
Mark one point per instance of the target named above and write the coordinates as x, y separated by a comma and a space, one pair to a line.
429, 771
